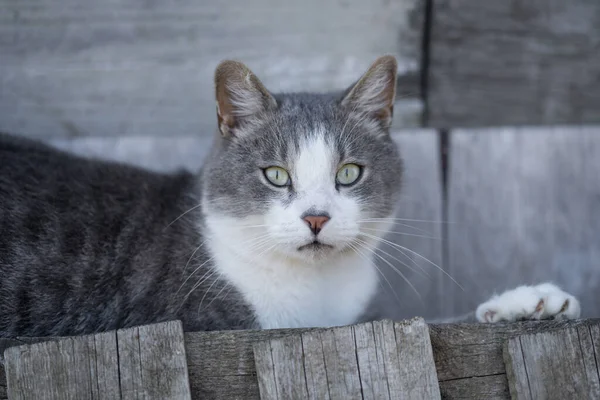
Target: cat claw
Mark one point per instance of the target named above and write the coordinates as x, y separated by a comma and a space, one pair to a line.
544, 301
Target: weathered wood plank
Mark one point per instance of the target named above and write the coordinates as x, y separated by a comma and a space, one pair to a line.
143, 362
164, 362
523, 208
463, 352
589, 350
54, 370
78, 68
387, 350
419, 234
552, 365
514, 63
153, 153
468, 358
418, 375
152, 362
221, 364
379, 360
280, 368
106, 367
130, 365
372, 369
491, 387
343, 378
266, 372
314, 366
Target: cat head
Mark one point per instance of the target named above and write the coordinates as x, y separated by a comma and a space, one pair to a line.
303, 176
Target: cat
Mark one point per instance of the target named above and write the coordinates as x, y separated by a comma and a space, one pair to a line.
267, 235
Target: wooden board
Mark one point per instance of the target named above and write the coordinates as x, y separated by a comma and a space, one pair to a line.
378, 360
515, 62
416, 242
134, 67
468, 358
147, 362
523, 208
554, 365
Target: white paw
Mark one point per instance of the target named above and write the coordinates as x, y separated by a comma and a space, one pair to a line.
544, 301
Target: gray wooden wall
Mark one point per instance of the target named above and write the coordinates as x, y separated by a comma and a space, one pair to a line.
506, 206
144, 67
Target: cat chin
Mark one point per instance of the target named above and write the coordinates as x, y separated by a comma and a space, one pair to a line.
320, 255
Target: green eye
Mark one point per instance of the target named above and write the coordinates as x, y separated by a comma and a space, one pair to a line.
348, 174
277, 176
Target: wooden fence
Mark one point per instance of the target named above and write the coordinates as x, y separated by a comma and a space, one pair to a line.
376, 360
76, 68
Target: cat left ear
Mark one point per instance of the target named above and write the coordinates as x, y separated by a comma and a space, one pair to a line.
240, 96
374, 93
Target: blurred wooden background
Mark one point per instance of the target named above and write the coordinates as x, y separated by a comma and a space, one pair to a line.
505, 203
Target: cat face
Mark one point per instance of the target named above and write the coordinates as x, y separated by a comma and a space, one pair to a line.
304, 176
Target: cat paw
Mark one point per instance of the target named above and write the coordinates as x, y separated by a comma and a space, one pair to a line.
544, 301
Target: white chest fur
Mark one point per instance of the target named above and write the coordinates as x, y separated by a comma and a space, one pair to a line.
288, 294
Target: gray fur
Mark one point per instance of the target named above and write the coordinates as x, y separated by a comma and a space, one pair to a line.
275, 139
89, 246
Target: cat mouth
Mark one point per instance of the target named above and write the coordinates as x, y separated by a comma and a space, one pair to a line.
315, 246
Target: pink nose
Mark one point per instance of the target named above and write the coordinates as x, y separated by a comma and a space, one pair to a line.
316, 222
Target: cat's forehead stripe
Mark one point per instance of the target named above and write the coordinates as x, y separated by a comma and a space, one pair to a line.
315, 162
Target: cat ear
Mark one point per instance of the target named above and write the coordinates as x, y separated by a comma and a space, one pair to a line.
240, 96
374, 93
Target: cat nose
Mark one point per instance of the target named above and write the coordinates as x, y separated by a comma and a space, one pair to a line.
316, 222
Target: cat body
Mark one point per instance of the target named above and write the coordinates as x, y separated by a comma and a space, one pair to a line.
275, 231
89, 246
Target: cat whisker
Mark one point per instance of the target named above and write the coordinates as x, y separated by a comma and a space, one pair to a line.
256, 242
182, 215
192, 256
192, 274
392, 244
394, 269
251, 241
401, 233
202, 279
408, 226
420, 271
370, 261
405, 220
208, 290
215, 297
264, 251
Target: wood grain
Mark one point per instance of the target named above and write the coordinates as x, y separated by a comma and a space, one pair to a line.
523, 208
64, 369
280, 368
553, 365
80, 68
519, 62
419, 288
144, 362
378, 360
468, 358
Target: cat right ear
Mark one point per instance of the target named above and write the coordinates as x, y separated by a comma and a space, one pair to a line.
240, 95
373, 95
